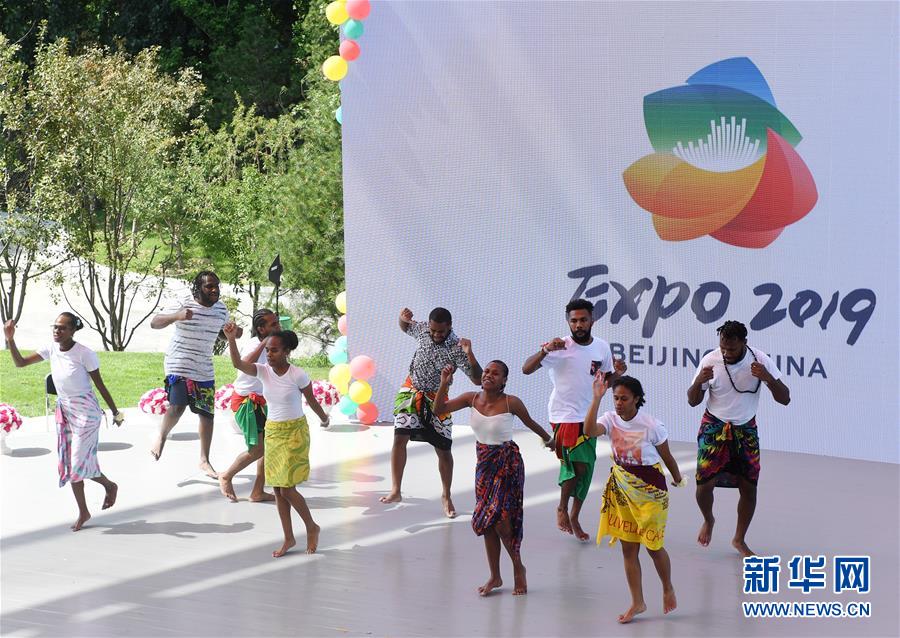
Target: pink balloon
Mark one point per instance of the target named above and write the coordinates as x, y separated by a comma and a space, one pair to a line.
367, 413
358, 9
362, 367
349, 50
342, 324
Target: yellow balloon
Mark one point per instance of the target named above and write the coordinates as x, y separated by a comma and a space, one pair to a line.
335, 68
336, 12
341, 303
360, 392
343, 387
339, 375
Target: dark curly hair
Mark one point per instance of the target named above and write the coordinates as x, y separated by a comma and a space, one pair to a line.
732, 330
75, 320
259, 318
288, 339
633, 385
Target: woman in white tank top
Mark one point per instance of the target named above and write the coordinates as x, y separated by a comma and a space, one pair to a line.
500, 472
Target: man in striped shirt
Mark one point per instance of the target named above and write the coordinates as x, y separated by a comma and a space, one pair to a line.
190, 378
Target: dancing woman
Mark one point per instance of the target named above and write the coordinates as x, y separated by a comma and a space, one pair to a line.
287, 433
500, 472
78, 414
636, 499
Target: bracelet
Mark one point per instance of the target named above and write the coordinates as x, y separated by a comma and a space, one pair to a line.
544, 348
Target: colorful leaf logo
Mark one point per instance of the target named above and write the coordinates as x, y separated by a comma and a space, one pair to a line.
725, 163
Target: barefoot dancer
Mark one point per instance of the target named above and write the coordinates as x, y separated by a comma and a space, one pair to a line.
636, 499
728, 443
78, 413
414, 415
571, 364
500, 472
250, 411
190, 377
287, 433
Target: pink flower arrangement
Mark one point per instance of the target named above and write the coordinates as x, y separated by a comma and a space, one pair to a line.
223, 397
9, 418
154, 401
326, 394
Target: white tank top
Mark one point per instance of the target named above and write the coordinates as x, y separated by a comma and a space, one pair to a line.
492, 430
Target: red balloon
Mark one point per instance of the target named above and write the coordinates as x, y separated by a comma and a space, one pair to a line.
349, 50
367, 413
342, 325
358, 9
362, 367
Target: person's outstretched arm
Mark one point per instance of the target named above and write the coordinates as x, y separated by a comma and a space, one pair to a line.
591, 427
9, 331
533, 362
230, 330
518, 408
442, 403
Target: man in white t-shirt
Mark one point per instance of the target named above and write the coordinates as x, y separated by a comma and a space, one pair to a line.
571, 364
728, 443
190, 377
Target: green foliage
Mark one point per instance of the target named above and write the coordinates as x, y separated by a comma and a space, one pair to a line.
109, 128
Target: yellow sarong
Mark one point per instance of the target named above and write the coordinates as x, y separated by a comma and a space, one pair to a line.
287, 452
633, 510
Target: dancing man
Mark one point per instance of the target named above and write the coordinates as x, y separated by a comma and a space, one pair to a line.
437, 346
728, 443
78, 414
571, 364
249, 407
190, 376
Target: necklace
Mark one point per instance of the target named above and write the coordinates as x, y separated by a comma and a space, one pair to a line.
758, 381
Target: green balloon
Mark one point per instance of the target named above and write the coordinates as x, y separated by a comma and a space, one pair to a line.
353, 29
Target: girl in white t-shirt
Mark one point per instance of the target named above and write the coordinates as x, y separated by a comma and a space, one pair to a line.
287, 433
73, 366
636, 500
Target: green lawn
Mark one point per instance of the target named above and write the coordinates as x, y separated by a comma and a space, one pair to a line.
127, 375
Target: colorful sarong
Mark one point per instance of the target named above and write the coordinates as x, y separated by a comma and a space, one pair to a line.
499, 488
584, 451
250, 415
726, 451
634, 510
78, 434
414, 417
287, 452
200, 396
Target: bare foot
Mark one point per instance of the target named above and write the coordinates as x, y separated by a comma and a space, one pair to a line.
705, 534
669, 602
278, 553
580, 534
562, 520
633, 611
491, 584
207, 469
449, 510
742, 548
111, 493
82, 519
157, 448
263, 497
312, 539
227, 489
393, 497
520, 587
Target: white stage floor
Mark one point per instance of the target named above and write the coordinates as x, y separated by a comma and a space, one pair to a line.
174, 558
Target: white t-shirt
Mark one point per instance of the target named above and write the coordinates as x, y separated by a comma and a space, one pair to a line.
572, 372
634, 442
244, 384
282, 393
723, 402
190, 351
70, 368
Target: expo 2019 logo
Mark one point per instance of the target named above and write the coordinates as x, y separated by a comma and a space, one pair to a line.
724, 163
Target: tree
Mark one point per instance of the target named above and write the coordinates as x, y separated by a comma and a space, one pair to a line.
26, 236
108, 128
